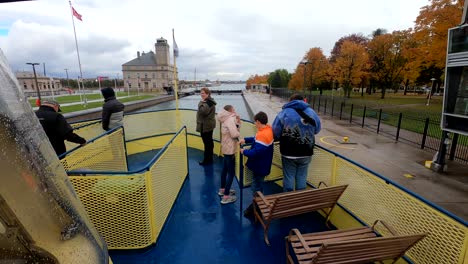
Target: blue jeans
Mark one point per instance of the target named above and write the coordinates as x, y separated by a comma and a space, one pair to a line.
257, 183
229, 171
295, 173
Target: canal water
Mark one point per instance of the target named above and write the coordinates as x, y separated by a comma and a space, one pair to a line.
191, 102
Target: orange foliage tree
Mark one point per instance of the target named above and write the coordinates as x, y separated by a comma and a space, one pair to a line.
431, 28
387, 53
350, 65
257, 79
314, 65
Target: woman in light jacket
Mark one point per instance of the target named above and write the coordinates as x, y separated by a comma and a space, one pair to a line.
230, 133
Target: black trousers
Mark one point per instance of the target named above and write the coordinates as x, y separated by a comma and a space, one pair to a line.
207, 138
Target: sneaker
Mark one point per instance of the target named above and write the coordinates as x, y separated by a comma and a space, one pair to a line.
228, 199
231, 192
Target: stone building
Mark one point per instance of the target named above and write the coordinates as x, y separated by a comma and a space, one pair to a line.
27, 82
150, 71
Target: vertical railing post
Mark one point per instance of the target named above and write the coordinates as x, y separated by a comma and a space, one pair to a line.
333, 106
453, 147
399, 126
426, 127
313, 102
363, 116
351, 114
380, 118
241, 184
341, 109
320, 97
325, 110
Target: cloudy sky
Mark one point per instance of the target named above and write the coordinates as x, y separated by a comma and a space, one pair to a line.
225, 40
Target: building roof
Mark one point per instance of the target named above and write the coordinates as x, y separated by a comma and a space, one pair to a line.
146, 59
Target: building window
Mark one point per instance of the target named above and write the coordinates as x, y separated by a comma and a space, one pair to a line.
154, 85
25, 86
153, 75
128, 76
146, 75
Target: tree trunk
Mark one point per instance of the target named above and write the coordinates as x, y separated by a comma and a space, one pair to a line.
383, 92
406, 86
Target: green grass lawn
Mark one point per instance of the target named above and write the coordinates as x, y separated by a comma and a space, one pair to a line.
74, 108
79, 107
76, 98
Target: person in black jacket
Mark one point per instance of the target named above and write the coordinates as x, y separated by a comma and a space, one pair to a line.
56, 127
112, 110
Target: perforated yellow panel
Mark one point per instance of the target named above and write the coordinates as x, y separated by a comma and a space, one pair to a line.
105, 154
118, 206
371, 198
149, 124
88, 132
166, 178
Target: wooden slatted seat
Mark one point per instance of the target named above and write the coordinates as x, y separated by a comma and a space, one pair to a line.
357, 245
280, 205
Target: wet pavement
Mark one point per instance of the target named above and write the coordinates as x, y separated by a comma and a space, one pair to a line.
400, 162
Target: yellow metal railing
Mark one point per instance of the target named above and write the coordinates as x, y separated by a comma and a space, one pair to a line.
130, 209
370, 196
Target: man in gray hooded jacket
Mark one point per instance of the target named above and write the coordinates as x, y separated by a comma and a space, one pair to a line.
112, 110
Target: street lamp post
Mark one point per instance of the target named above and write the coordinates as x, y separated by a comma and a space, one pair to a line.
68, 80
38, 103
430, 92
304, 62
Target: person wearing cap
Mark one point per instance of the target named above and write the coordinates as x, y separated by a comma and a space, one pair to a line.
112, 110
56, 127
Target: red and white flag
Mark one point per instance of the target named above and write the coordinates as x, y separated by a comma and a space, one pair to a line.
76, 14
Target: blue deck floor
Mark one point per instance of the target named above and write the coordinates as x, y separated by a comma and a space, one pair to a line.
201, 230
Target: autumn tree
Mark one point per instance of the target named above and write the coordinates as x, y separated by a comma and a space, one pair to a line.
257, 79
351, 65
431, 28
356, 38
387, 55
310, 71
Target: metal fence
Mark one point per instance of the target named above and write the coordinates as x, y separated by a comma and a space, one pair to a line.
423, 131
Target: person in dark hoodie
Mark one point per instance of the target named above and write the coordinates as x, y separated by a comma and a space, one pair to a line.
112, 110
295, 128
206, 123
56, 127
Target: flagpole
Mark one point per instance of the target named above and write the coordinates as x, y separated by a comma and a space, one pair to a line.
176, 90
78, 54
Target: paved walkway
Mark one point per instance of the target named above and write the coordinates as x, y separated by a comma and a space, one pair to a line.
400, 162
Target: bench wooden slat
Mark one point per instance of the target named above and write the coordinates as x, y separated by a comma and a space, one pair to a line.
269, 207
333, 233
336, 239
350, 248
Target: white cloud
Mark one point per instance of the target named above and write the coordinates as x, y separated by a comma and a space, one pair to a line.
222, 39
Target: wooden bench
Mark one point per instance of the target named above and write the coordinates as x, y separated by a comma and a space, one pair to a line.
357, 245
269, 207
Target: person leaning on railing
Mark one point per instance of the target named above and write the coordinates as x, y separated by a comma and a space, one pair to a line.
56, 127
295, 128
